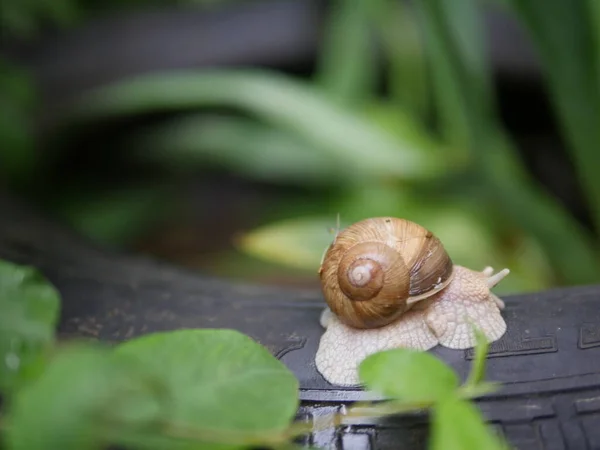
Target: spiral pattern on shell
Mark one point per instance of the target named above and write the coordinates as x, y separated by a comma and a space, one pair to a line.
376, 269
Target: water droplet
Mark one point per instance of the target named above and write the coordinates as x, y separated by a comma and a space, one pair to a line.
12, 361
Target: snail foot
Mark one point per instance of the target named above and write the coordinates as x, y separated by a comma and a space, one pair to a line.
343, 348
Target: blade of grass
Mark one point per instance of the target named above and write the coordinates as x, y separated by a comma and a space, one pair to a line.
239, 144
346, 67
282, 102
594, 14
562, 31
18, 161
468, 104
407, 77
461, 87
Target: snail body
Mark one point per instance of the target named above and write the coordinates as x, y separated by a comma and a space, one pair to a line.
389, 282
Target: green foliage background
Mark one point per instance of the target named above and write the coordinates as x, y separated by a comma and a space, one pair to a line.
432, 149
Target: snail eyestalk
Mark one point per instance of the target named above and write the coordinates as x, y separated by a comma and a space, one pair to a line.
493, 280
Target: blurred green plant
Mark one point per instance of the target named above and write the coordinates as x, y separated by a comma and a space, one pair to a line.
29, 308
364, 154
212, 389
566, 36
17, 101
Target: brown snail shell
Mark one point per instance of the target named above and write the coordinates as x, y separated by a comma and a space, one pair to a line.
376, 269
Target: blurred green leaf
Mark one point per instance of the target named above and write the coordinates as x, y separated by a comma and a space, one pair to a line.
499, 170
458, 425
29, 307
373, 200
399, 122
463, 226
17, 158
402, 46
219, 380
594, 15
570, 248
408, 375
282, 102
454, 46
117, 215
25, 18
187, 389
301, 242
530, 270
241, 266
297, 243
70, 405
238, 144
563, 33
346, 65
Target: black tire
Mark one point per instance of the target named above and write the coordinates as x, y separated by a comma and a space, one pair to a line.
548, 362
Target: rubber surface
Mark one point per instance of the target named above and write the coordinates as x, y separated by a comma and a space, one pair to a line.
549, 360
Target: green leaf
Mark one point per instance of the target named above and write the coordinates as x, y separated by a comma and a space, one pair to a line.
281, 102
530, 268
458, 425
298, 243
570, 248
408, 375
188, 389
454, 48
346, 66
83, 397
594, 15
398, 121
564, 35
402, 47
17, 99
117, 215
239, 144
24, 19
219, 380
29, 308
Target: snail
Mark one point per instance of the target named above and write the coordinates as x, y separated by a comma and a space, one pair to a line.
389, 282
